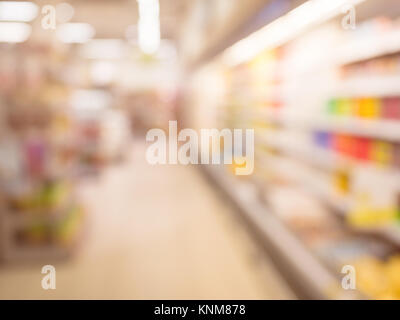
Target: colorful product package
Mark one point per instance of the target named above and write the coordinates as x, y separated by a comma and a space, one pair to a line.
381, 152
343, 144
345, 107
323, 139
361, 148
391, 108
369, 108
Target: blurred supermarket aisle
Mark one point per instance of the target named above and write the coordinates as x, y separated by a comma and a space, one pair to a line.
316, 81
155, 232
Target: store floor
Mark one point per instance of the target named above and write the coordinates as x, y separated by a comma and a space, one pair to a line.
154, 233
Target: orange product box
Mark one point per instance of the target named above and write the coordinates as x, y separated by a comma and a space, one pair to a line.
343, 143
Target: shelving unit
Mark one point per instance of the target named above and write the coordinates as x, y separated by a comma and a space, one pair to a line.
323, 106
321, 283
12, 222
40, 216
368, 48
381, 129
340, 204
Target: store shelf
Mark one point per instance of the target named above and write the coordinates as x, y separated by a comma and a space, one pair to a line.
369, 48
380, 129
22, 219
339, 204
320, 283
375, 86
16, 254
333, 87
12, 251
305, 152
315, 155
311, 180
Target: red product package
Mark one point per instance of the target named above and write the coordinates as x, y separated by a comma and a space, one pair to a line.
361, 148
391, 108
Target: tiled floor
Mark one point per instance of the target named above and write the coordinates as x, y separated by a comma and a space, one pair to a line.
154, 233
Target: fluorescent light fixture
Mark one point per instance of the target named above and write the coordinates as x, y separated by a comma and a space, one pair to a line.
104, 49
285, 28
23, 11
14, 32
75, 32
149, 26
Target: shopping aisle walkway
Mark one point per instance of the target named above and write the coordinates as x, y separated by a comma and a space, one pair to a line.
155, 233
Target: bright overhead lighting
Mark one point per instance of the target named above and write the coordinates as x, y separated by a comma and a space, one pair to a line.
104, 49
23, 11
75, 32
285, 28
14, 32
149, 26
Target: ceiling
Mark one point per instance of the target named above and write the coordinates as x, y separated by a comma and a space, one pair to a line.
192, 25
110, 18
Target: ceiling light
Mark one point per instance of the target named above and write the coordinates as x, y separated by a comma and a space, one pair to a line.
23, 11
285, 28
149, 26
14, 32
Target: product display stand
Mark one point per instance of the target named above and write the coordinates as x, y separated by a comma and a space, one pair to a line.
12, 222
301, 266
